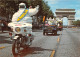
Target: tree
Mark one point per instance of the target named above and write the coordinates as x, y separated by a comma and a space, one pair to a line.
76, 23
9, 7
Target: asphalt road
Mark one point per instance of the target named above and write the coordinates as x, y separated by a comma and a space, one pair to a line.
69, 45
65, 44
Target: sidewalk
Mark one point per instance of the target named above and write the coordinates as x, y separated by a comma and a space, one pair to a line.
4, 32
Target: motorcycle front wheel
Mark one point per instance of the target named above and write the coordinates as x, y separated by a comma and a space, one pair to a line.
16, 47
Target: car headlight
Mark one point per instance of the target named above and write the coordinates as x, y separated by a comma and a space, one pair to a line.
17, 29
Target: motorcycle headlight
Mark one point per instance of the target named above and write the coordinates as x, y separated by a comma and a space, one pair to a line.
17, 29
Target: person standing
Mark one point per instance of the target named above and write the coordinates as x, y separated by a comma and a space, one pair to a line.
2, 26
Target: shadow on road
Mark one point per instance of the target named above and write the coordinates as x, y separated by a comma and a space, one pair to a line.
3, 39
37, 30
31, 50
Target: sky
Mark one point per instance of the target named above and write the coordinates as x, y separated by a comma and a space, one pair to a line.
65, 4
65, 21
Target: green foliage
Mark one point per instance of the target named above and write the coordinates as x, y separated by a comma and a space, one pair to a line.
11, 6
44, 9
7, 7
76, 23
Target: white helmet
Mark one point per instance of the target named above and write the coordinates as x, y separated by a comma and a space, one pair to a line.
22, 5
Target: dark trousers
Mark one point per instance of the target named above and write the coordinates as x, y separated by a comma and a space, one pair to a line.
2, 28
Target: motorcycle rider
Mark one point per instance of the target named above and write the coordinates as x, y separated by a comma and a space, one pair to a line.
27, 18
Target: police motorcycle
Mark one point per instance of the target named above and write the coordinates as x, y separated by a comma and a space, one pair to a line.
21, 26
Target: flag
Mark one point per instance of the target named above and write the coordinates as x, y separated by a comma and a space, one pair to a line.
43, 18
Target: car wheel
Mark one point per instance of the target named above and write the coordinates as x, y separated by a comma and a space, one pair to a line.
43, 32
55, 32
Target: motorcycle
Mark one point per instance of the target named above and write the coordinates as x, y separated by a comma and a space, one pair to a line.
22, 38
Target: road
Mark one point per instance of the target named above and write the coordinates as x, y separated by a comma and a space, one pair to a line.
65, 44
69, 45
